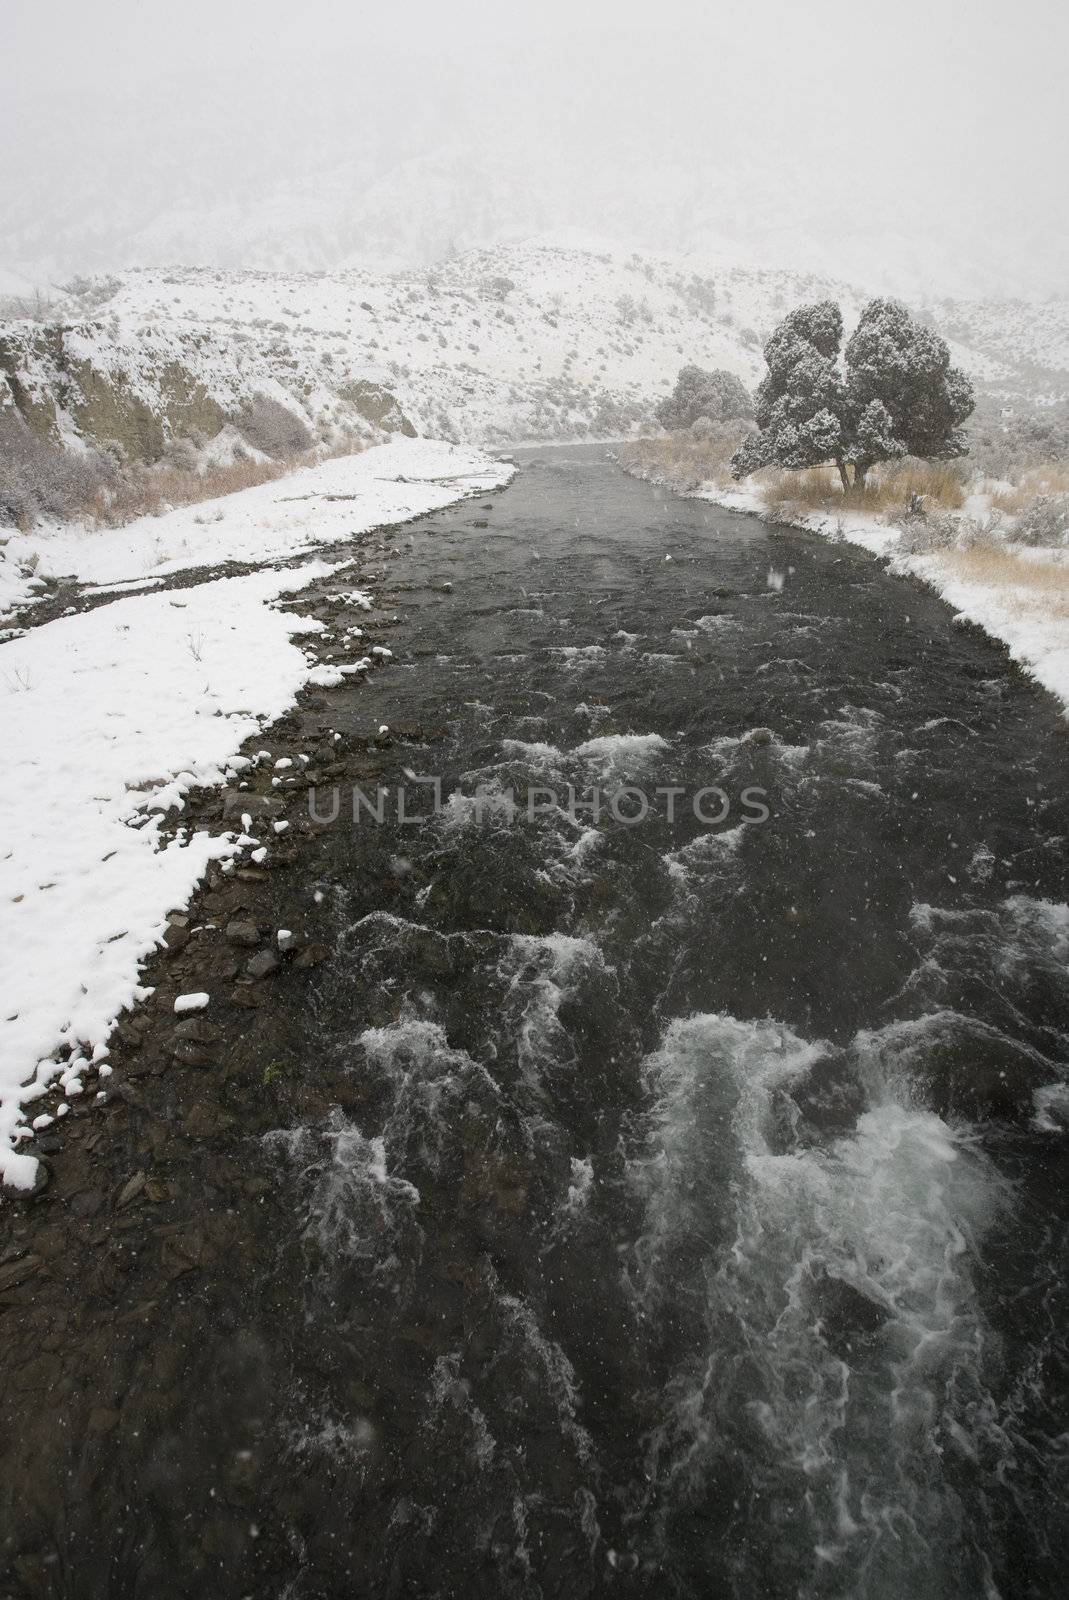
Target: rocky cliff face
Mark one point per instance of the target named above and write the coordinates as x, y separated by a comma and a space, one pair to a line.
136, 390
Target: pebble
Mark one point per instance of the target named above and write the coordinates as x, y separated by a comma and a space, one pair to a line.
191, 1002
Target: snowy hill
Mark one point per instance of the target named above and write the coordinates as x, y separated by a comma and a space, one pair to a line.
525, 341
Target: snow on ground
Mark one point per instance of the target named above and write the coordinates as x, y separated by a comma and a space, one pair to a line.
999, 595
112, 715
1032, 623
534, 340
317, 505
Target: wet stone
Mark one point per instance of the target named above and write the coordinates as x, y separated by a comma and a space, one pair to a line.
243, 933
199, 1029
239, 801
16, 1272
311, 956
191, 1054
261, 965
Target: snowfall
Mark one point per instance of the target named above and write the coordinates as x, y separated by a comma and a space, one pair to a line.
111, 715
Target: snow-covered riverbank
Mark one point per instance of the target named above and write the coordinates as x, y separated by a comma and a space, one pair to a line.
113, 714
314, 506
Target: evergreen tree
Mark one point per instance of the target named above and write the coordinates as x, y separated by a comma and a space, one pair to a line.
801, 403
718, 395
900, 395
905, 396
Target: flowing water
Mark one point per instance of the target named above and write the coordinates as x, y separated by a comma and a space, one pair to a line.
693, 1219
699, 1231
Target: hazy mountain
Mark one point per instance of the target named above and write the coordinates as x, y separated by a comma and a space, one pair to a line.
311, 168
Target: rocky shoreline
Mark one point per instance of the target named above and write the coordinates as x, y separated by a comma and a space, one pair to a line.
140, 1228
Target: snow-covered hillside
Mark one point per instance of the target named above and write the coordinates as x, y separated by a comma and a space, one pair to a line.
527, 341
1029, 336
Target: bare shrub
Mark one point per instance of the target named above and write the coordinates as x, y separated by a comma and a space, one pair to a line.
942, 531
142, 491
1008, 443
272, 428
1045, 522
39, 478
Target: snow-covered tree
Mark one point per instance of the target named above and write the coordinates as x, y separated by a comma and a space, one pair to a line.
718, 395
900, 395
904, 396
801, 403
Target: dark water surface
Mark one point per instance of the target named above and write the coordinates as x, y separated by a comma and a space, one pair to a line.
696, 1224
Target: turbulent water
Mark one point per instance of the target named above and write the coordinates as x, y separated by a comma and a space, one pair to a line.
697, 1230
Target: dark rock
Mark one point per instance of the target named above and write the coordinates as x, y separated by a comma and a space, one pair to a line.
205, 1122
262, 964
191, 1054
245, 933
130, 1190
176, 939
16, 1272
199, 1029
87, 1203
311, 956
236, 802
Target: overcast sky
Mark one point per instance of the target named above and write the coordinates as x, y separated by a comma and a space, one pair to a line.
943, 123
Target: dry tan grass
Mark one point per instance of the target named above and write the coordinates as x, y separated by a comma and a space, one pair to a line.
1052, 478
143, 491
1037, 586
814, 489
942, 483
888, 488
685, 463
681, 461
149, 491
